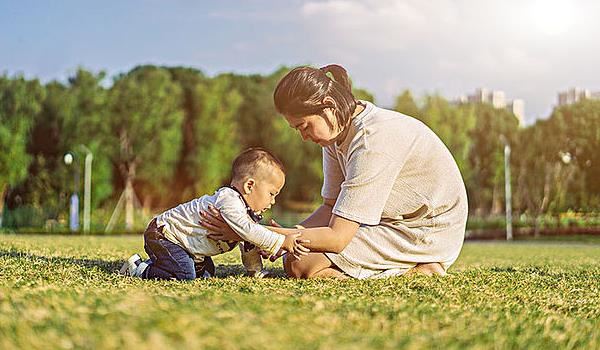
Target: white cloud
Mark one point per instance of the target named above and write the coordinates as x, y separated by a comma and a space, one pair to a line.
447, 45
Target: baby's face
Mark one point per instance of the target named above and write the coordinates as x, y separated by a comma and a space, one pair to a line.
267, 187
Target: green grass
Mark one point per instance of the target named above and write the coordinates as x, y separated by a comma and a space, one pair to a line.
62, 292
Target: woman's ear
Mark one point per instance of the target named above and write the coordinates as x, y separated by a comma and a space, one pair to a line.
329, 101
249, 185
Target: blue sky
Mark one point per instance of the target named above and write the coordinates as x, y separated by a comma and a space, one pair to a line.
530, 49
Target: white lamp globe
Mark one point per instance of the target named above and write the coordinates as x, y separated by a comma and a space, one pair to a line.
68, 158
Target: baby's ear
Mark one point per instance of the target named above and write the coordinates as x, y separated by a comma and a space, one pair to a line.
249, 185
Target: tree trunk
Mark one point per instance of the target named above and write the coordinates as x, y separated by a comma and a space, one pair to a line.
497, 206
3, 191
129, 218
146, 206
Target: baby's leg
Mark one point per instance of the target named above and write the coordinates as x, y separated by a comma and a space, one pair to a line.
205, 268
169, 261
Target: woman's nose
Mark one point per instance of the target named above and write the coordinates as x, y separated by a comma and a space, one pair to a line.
304, 135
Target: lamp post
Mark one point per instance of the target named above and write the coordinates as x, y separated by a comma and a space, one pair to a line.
74, 201
507, 189
508, 192
87, 189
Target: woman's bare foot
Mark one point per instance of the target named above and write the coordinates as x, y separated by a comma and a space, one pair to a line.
428, 269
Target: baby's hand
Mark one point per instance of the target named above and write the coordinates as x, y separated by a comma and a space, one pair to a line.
294, 246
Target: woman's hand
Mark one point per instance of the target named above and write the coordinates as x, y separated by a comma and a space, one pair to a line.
219, 230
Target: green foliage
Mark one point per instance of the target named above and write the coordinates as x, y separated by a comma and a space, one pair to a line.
20, 101
492, 129
405, 104
216, 134
172, 132
362, 94
143, 131
558, 163
63, 292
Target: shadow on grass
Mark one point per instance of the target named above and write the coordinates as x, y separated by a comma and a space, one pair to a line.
112, 267
105, 266
224, 271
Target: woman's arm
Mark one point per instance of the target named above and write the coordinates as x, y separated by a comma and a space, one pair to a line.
333, 238
321, 216
326, 232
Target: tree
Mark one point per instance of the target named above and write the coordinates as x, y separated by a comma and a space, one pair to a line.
143, 135
405, 104
362, 94
20, 101
486, 157
216, 132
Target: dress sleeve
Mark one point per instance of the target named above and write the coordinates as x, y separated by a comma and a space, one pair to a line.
332, 174
234, 213
370, 176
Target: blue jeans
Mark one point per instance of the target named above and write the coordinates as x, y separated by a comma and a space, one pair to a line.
169, 260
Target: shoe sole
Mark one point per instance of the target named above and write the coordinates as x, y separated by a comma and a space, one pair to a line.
130, 263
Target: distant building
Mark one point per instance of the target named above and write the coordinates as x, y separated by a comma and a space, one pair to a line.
517, 107
498, 100
572, 95
480, 96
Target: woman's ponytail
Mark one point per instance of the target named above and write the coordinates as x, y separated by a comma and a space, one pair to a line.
339, 75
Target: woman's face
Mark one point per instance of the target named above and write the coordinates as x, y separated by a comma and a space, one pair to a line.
315, 128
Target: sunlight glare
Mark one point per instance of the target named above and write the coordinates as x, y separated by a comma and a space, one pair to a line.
553, 17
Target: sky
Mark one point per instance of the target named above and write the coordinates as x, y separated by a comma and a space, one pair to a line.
530, 49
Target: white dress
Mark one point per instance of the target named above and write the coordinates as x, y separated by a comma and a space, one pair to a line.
396, 178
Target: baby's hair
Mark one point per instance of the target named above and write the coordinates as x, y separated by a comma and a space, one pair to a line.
252, 161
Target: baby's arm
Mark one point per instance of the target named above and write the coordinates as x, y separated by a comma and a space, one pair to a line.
233, 212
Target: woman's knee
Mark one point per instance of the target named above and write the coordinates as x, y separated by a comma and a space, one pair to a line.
307, 267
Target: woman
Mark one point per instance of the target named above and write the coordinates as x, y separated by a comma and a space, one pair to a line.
393, 198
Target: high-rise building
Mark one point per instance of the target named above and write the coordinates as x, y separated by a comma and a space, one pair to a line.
497, 99
481, 95
573, 95
517, 107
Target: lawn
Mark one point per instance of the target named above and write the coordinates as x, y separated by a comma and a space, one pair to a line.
63, 292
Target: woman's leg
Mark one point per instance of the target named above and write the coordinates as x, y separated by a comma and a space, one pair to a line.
311, 266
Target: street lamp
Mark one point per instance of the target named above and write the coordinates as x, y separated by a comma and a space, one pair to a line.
87, 189
507, 189
74, 201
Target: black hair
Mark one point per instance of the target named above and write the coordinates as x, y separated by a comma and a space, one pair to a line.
301, 92
251, 161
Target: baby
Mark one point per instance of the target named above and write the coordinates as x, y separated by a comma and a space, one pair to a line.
179, 247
